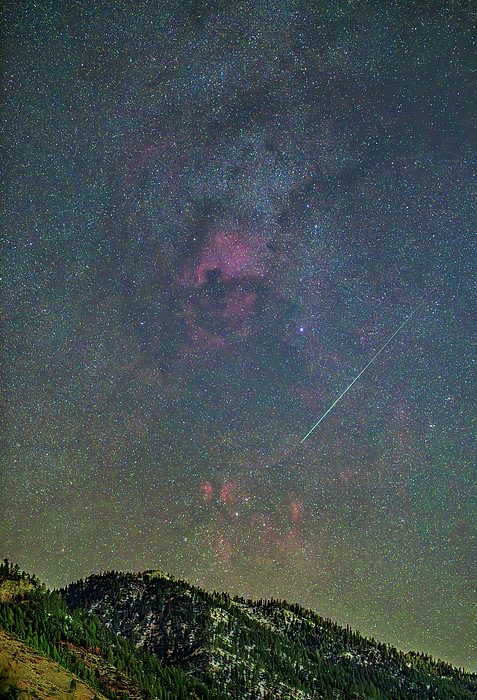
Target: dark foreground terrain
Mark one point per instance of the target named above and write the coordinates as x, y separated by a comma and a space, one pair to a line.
147, 635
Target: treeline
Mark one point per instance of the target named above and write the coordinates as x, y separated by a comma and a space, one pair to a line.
197, 645
73, 638
322, 658
263, 645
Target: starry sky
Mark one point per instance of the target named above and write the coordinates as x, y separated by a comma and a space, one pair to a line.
216, 215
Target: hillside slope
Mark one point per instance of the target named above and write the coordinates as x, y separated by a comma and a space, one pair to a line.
143, 636
38, 627
260, 649
27, 675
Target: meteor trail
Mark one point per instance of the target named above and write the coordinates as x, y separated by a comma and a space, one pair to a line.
408, 318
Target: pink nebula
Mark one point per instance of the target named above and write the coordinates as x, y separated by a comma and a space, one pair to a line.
238, 256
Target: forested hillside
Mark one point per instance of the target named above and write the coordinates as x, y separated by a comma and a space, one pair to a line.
260, 649
146, 635
78, 641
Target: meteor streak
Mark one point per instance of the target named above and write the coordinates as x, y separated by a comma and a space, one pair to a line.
406, 320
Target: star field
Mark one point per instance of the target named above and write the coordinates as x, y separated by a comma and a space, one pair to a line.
215, 216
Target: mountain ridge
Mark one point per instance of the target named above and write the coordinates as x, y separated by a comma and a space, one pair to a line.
175, 640
208, 632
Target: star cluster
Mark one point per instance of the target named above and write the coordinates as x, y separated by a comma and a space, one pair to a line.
216, 215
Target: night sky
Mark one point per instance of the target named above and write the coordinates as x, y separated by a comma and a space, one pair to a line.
214, 219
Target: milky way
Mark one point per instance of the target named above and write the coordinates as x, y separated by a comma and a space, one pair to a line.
216, 216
